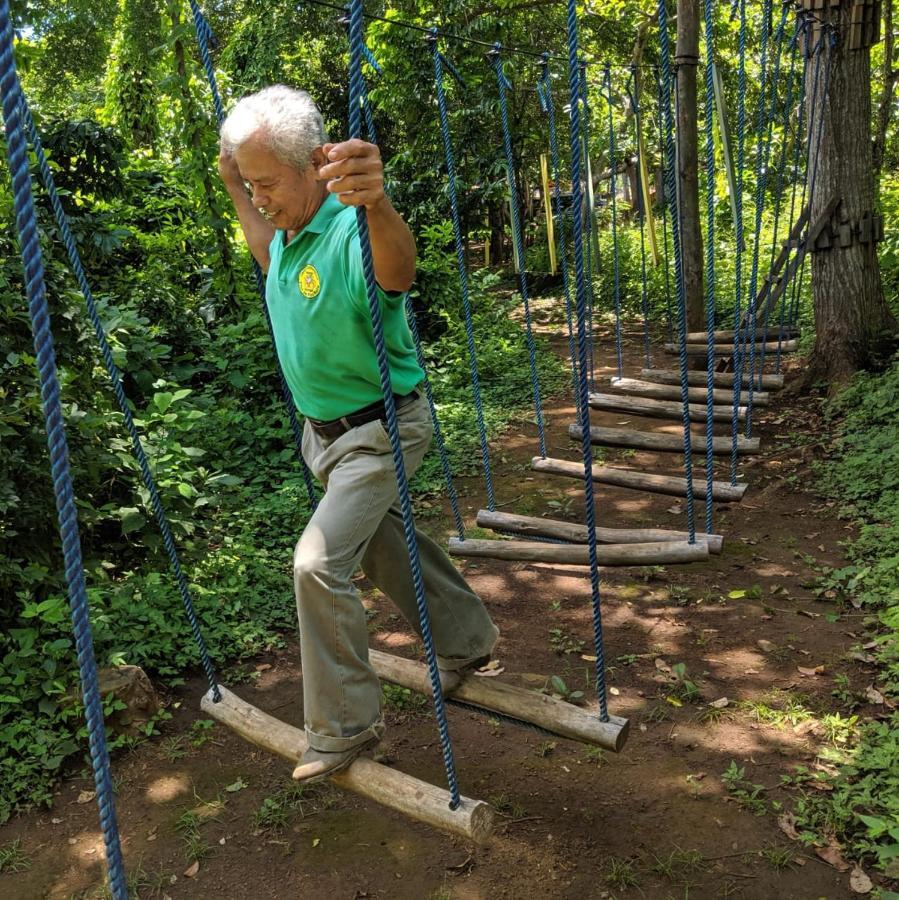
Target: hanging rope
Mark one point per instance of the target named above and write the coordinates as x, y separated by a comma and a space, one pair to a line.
709, 263
495, 58
458, 239
545, 94
740, 241
204, 39
634, 94
671, 192
356, 92
661, 130
63, 490
588, 218
616, 273
583, 405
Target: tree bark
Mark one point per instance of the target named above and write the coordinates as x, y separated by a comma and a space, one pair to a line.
687, 58
854, 328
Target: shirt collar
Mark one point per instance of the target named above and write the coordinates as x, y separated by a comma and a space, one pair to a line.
322, 219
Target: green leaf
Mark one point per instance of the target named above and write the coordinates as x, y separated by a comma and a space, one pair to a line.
132, 519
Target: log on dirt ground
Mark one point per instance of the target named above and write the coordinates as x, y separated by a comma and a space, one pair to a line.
721, 379
417, 799
577, 533
663, 443
700, 337
638, 388
556, 716
657, 553
663, 409
673, 485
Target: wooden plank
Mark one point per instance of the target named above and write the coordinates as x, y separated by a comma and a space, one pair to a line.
577, 533
417, 799
662, 409
722, 379
641, 481
728, 349
658, 553
638, 388
727, 335
557, 716
663, 443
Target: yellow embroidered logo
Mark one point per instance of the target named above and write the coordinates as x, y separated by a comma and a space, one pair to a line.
309, 282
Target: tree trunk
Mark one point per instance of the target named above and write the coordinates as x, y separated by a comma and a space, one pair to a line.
687, 58
854, 328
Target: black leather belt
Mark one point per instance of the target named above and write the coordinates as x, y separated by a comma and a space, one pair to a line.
336, 427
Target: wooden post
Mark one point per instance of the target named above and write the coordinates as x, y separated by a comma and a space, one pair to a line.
548, 208
653, 442
635, 388
721, 379
662, 409
416, 799
687, 59
724, 132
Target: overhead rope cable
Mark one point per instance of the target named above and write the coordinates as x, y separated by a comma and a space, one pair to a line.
204, 39
583, 405
63, 489
670, 172
356, 93
503, 85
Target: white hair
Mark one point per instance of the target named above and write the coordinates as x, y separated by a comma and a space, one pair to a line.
285, 119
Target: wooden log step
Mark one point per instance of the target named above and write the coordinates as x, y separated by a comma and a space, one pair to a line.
663, 409
577, 533
637, 388
417, 799
663, 443
556, 716
722, 379
728, 349
656, 553
673, 485
700, 337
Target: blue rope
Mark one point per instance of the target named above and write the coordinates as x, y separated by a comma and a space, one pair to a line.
664, 205
583, 406
204, 36
495, 58
748, 331
751, 326
671, 192
38, 309
115, 379
741, 243
545, 88
356, 92
709, 263
644, 299
459, 241
589, 265
613, 165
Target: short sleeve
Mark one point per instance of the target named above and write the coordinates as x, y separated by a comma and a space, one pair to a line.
355, 273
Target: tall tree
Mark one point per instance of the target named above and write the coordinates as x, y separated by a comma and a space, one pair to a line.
854, 327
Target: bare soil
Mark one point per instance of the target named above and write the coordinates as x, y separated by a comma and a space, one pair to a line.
655, 821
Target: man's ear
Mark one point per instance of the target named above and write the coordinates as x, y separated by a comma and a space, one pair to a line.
320, 156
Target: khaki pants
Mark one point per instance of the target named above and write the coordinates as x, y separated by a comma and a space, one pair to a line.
359, 522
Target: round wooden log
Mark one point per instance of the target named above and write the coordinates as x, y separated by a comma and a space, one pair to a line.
721, 379
657, 553
557, 716
664, 443
576, 533
417, 799
673, 485
728, 349
663, 409
634, 387
700, 337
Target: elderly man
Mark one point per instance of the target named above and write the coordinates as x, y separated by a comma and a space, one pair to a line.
295, 194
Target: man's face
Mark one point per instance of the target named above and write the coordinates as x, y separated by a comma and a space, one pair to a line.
286, 197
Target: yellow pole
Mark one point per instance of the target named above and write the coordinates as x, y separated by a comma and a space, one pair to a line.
548, 207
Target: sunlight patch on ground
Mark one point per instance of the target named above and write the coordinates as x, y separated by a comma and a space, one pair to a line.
167, 788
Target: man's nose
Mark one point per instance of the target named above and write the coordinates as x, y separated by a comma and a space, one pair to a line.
260, 198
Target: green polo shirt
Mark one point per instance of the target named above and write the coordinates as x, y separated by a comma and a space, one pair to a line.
318, 304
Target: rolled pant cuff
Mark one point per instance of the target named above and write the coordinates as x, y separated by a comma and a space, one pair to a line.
455, 663
328, 743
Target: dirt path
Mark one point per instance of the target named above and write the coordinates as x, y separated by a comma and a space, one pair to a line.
657, 821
